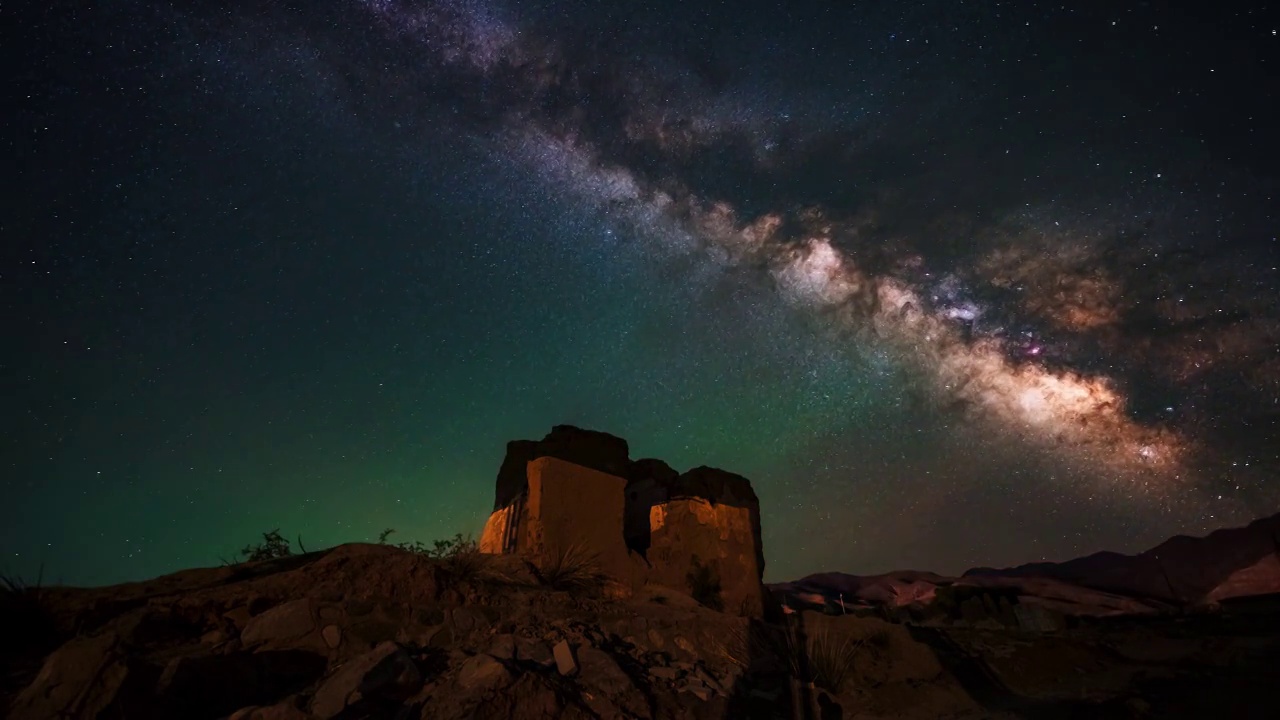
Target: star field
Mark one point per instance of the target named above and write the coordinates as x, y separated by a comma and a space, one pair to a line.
954, 284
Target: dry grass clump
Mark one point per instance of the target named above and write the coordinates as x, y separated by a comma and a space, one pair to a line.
832, 659
824, 657
25, 618
573, 567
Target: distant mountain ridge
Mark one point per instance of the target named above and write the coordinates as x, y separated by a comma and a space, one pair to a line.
1181, 571
1230, 562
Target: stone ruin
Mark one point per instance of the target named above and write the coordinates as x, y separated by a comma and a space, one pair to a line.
642, 522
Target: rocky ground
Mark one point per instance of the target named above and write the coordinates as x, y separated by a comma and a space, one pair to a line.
375, 631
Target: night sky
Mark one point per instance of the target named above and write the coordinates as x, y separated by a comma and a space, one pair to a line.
954, 283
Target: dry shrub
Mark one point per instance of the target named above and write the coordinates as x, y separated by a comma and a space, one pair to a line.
832, 658
26, 620
574, 567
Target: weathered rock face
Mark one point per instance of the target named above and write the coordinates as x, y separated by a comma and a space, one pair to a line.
698, 532
711, 550
588, 448
570, 505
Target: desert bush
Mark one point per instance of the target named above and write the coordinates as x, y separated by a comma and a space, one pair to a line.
459, 555
832, 659
273, 546
455, 546
572, 567
741, 643
27, 622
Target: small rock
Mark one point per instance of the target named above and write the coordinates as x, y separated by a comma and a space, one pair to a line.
441, 638
237, 617
214, 637
601, 671
462, 619
685, 645
709, 680
503, 647
385, 670
470, 618
655, 638
695, 686
282, 622
535, 651
429, 616
664, 673
332, 635
483, 672
565, 662
731, 678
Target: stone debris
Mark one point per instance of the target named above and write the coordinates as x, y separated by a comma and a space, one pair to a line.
332, 635
387, 670
483, 671
664, 673
566, 664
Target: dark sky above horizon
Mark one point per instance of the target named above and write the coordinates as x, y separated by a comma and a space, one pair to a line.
953, 283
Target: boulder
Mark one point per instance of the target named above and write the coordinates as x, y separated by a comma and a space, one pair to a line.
483, 672
282, 624
81, 679
384, 673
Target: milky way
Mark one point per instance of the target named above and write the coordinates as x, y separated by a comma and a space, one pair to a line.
954, 285
999, 337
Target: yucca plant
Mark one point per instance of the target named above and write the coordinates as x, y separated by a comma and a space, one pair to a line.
832, 659
570, 567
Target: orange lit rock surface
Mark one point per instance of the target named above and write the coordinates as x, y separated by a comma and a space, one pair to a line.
643, 522
708, 549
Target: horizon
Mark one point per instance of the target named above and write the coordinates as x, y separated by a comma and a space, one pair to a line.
951, 286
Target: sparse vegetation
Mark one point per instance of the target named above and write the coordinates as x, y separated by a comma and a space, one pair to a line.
832, 659
27, 623
273, 547
704, 585
736, 644
572, 567
455, 546
460, 555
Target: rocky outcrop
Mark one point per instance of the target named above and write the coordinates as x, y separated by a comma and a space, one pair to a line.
709, 550
589, 448
698, 532
565, 511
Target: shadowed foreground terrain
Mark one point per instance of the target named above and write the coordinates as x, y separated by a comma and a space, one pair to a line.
531, 630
